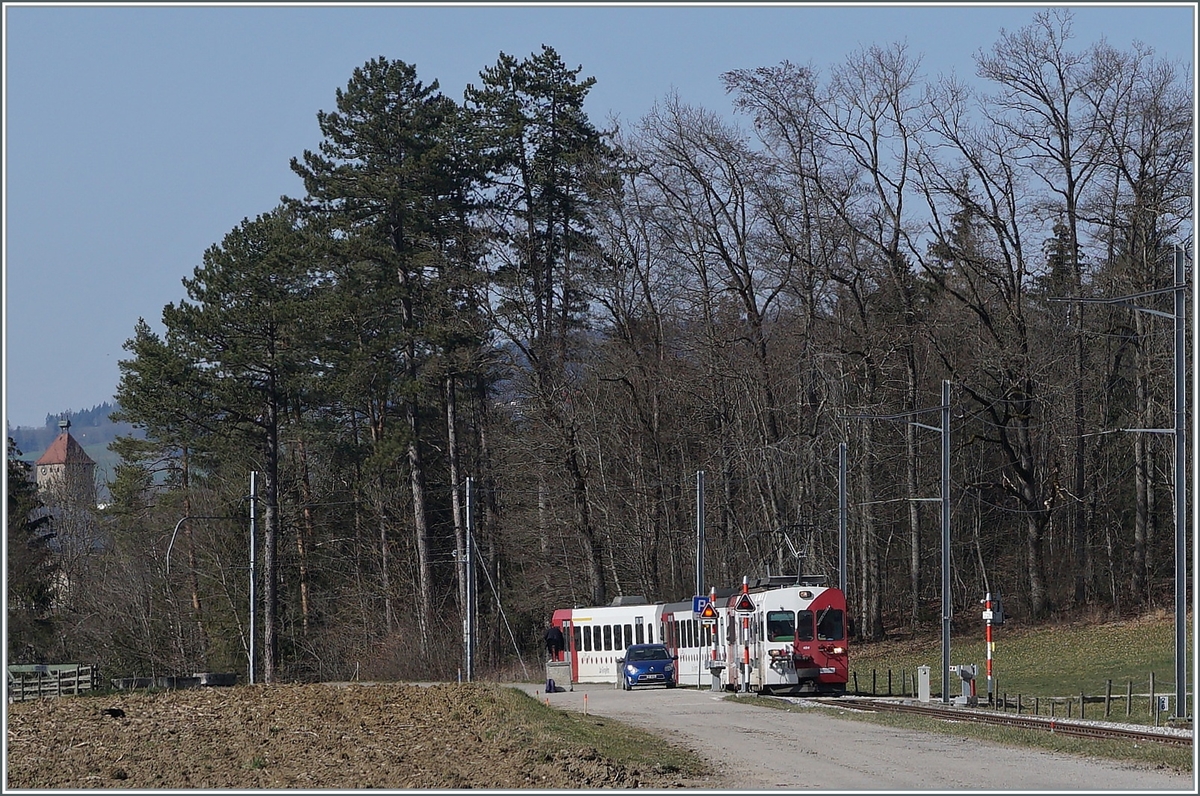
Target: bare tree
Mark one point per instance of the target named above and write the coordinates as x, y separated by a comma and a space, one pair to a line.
1042, 104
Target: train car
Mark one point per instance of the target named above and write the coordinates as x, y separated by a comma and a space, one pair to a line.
595, 638
789, 639
768, 637
689, 640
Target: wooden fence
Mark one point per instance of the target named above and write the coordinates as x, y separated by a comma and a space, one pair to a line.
1107, 706
53, 680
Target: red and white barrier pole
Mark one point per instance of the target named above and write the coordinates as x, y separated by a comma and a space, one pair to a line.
987, 605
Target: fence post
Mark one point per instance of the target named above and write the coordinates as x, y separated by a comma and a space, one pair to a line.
1152, 702
872, 682
856, 682
1018, 704
1081, 704
1037, 706
1107, 698
1128, 699
889, 681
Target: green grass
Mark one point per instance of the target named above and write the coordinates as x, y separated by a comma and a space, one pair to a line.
534, 725
1052, 664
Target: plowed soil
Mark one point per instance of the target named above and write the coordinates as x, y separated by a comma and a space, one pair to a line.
300, 736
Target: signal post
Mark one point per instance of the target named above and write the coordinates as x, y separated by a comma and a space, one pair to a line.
708, 620
993, 614
744, 607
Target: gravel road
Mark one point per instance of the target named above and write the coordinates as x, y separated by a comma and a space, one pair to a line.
753, 748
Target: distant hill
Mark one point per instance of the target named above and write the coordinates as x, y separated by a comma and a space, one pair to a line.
90, 427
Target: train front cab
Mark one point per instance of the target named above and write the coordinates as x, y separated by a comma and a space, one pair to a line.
820, 651
795, 638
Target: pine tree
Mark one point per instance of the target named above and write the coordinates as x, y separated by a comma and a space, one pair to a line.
391, 179
31, 569
233, 361
545, 161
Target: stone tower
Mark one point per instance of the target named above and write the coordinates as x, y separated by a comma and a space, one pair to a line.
65, 474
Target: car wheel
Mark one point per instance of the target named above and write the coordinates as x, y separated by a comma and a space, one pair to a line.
626, 685
670, 685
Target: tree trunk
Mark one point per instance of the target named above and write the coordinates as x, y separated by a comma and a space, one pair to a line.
424, 586
304, 531
914, 516
872, 625
456, 486
270, 549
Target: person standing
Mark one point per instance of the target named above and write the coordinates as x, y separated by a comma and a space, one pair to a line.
554, 642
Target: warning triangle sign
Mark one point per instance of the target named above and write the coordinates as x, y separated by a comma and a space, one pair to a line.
708, 612
744, 604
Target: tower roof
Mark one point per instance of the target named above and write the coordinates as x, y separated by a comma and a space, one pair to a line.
65, 450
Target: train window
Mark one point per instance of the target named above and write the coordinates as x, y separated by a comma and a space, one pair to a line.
608, 638
804, 626
628, 636
830, 626
641, 634
587, 638
781, 626
694, 628
649, 634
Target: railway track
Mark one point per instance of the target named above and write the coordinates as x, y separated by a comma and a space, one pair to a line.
1075, 728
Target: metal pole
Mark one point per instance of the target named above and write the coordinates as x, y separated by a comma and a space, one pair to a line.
699, 532
842, 533
745, 623
470, 584
945, 542
253, 571
1180, 496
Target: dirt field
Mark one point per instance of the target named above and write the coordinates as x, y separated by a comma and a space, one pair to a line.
298, 736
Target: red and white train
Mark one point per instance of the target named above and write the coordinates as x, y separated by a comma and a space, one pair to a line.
766, 637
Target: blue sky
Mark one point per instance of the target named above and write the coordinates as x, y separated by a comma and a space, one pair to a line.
137, 136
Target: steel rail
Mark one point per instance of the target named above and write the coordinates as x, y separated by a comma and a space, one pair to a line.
1057, 726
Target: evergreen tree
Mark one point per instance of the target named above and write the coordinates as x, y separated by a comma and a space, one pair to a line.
545, 161
232, 362
31, 569
391, 179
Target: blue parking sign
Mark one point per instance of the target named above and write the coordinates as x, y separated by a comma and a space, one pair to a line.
698, 603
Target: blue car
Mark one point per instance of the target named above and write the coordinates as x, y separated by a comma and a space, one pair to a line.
648, 664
